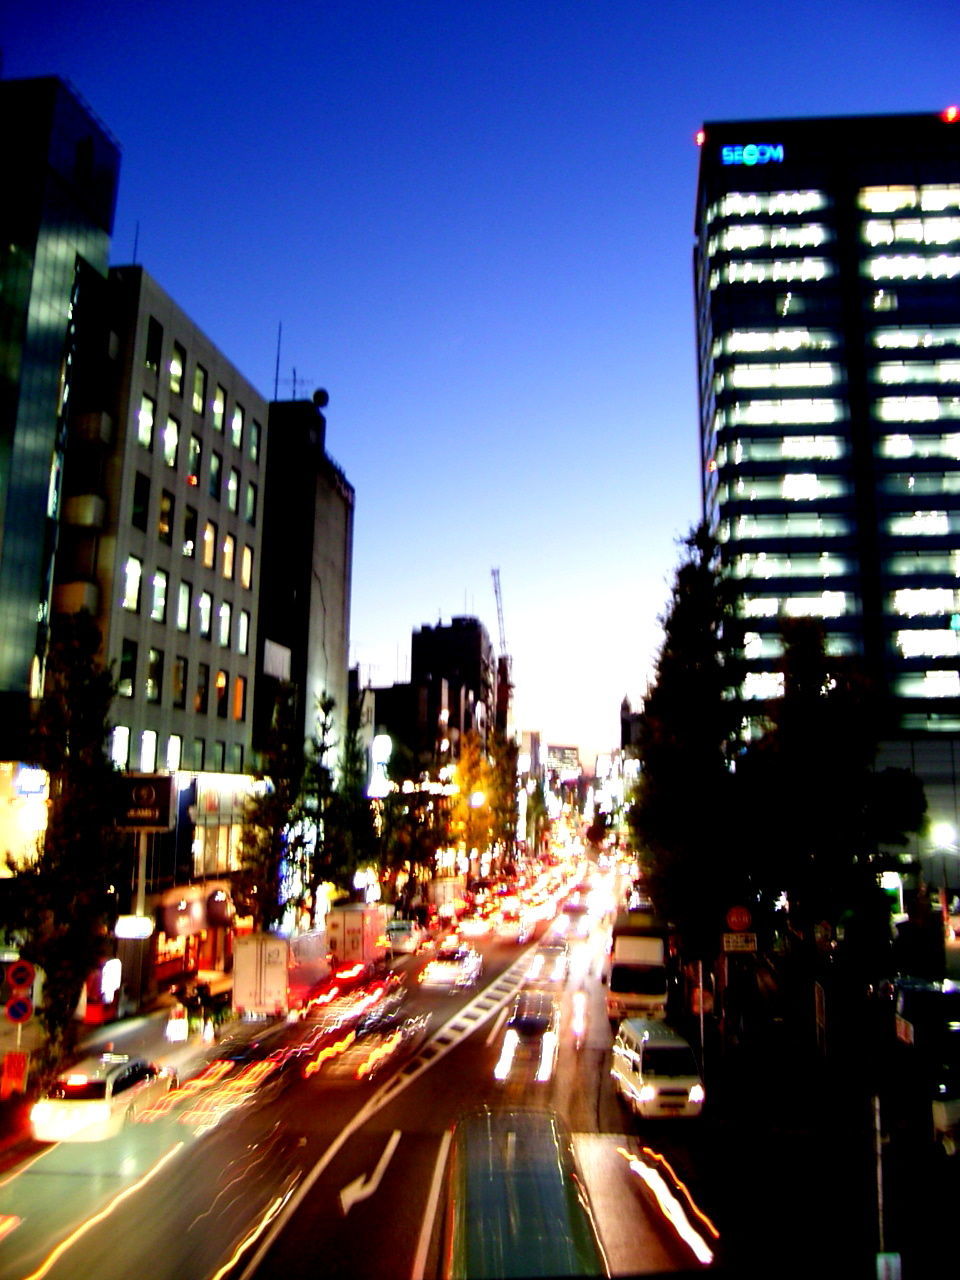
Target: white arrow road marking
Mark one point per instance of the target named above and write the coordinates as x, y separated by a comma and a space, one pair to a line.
363, 1186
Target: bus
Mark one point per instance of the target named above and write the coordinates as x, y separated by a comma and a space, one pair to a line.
515, 1202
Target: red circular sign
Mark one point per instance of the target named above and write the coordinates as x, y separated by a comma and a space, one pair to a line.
21, 974
738, 919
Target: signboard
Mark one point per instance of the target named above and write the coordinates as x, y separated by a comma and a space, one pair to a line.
146, 802
739, 942
739, 919
753, 153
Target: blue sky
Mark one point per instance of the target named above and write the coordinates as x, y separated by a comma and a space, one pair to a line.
473, 221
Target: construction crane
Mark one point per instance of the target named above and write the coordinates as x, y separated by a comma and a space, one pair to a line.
504, 674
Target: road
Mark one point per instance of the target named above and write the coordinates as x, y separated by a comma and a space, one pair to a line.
327, 1175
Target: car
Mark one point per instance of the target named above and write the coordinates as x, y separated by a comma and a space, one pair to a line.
549, 964
655, 1070
512, 927
405, 936
531, 1040
95, 1098
457, 968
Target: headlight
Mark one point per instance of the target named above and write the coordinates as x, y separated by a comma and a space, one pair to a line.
647, 1093
502, 1069
696, 1093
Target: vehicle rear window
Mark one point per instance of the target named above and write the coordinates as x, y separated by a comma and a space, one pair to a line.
81, 1091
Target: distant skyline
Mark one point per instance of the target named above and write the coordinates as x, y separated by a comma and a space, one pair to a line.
474, 225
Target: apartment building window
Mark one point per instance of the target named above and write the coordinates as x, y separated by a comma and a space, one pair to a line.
174, 752
199, 389
219, 407
250, 503
127, 675
165, 518
240, 698
223, 693
233, 490
184, 596
154, 684
178, 362
215, 478
205, 610
181, 669
235, 757
154, 345
171, 442
190, 533
120, 746
254, 444
158, 605
224, 621
246, 567
229, 555
141, 501
236, 427
201, 695
194, 458
146, 418
209, 555
132, 577
197, 752
216, 766
243, 632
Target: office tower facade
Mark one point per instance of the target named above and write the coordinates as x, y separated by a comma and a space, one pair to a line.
61, 169
827, 284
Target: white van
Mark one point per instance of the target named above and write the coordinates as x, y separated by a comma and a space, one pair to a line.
655, 1070
405, 936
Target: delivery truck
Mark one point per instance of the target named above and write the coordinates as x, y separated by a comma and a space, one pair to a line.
357, 934
636, 973
261, 976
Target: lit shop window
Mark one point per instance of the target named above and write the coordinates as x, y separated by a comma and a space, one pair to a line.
904, 446
749, 236
923, 602
908, 338
780, 269
923, 524
760, 341
146, 419
929, 684
756, 376
148, 751
778, 413
174, 752
762, 685
158, 604
917, 408
120, 746
943, 643
913, 266
205, 611
132, 577
891, 372
747, 204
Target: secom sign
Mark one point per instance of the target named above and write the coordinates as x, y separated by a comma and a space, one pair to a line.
753, 153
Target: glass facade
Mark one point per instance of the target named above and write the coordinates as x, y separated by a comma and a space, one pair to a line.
829, 352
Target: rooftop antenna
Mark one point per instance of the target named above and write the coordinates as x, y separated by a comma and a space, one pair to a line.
276, 371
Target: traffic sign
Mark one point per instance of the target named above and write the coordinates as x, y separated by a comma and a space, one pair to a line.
20, 977
20, 1009
739, 919
739, 942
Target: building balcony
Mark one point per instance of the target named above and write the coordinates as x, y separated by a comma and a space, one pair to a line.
84, 511
71, 597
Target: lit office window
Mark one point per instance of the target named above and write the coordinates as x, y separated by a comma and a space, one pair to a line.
923, 602
219, 408
243, 631
904, 446
929, 684
158, 605
926, 231
246, 567
199, 389
233, 490
132, 577
236, 427
120, 746
148, 751
779, 413
757, 646
828, 604
205, 612
145, 421
887, 199
750, 236
184, 596
222, 690
821, 448
171, 442
780, 269
165, 518
178, 362
741, 204
924, 562
194, 459
759, 341
190, 520
916, 408
154, 682
240, 698
909, 338
181, 668
762, 376
913, 266
922, 524
209, 555
762, 685
224, 620
767, 565
229, 555
941, 643
254, 441
923, 483
174, 752
759, 606
794, 525
250, 503
891, 372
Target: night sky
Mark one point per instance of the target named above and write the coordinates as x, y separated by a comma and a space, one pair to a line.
473, 222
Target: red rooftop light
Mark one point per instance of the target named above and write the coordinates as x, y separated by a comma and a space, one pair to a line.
701, 135
950, 115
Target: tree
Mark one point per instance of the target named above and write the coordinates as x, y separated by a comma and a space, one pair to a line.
271, 841
504, 807
63, 907
471, 816
347, 836
681, 813
414, 825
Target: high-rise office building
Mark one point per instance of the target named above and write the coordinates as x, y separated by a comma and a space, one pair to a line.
827, 277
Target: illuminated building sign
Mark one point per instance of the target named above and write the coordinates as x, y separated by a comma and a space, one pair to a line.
753, 153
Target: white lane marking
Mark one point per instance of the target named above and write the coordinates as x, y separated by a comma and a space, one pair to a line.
498, 1022
430, 1210
364, 1186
